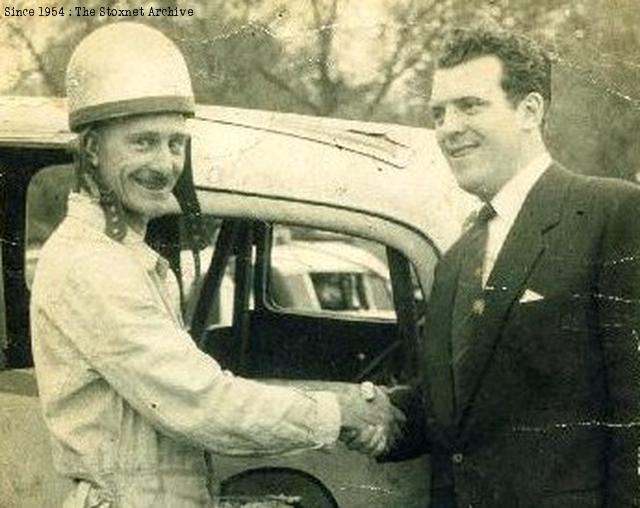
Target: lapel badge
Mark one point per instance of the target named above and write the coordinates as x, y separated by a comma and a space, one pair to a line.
477, 308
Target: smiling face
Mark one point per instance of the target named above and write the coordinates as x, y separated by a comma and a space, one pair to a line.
140, 159
479, 130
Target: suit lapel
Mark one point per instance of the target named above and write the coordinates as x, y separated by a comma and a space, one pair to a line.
439, 376
522, 248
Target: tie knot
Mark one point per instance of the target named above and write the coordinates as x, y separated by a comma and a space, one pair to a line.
486, 213
479, 218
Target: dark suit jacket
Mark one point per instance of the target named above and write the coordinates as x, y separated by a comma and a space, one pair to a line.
546, 410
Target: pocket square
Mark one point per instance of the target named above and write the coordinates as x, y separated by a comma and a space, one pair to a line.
530, 296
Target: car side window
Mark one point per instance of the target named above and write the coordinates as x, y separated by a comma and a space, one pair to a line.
309, 271
46, 207
193, 274
329, 273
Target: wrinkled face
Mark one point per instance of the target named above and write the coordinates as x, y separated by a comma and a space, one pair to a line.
478, 129
140, 159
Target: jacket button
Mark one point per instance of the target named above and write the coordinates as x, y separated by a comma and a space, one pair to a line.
457, 458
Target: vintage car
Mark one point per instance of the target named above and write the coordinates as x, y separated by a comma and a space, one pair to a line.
374, 194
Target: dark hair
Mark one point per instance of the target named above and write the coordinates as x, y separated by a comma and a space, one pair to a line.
526, 66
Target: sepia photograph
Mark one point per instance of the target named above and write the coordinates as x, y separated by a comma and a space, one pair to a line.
320, 254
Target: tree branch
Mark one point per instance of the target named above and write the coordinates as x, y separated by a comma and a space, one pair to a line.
317, 18
328, 88
391, 72
48, 78
283, 85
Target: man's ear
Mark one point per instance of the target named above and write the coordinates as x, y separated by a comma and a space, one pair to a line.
91, 147
531, 110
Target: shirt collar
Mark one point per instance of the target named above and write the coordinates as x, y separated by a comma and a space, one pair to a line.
508, 201
87, 210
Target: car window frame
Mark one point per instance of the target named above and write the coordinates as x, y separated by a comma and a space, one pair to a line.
266, 301
18, 166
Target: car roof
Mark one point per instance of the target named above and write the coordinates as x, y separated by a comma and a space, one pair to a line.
33, 121
390, 171
42, 121
387, 170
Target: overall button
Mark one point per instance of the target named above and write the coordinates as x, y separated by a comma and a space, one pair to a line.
457, 458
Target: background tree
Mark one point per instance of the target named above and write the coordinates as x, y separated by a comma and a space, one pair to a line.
298, 56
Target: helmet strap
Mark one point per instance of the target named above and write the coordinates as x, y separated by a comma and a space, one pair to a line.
90, 182
116, 226
194, 227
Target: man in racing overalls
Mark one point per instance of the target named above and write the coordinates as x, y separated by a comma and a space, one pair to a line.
129, 400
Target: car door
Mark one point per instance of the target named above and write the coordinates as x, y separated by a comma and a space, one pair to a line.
282, 327
33, 182
295, 341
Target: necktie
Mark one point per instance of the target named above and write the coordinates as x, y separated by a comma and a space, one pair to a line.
468, 304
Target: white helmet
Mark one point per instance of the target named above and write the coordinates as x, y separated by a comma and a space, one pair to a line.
125, 69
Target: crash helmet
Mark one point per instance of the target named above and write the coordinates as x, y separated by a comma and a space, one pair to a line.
124, 69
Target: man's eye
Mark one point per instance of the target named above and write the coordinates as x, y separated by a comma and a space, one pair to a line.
177, 145
143, 142
437, 114
471, 107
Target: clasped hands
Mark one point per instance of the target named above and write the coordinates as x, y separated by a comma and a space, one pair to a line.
370, 422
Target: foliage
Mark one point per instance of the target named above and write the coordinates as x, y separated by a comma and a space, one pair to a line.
294, 56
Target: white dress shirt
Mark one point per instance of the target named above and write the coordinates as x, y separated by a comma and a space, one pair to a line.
129, 400
507, 204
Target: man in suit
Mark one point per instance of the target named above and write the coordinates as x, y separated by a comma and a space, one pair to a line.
531, 372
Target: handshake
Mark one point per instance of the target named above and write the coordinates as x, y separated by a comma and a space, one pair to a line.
371, 424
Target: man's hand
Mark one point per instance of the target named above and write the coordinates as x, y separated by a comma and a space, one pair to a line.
370, 423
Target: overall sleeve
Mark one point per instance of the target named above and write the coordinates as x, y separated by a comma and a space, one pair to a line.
130, 339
